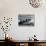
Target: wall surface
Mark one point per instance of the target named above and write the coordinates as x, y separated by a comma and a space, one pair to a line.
12, 8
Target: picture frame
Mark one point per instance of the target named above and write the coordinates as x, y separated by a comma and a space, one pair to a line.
26, 20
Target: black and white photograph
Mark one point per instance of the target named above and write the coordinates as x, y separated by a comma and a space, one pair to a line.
26, 20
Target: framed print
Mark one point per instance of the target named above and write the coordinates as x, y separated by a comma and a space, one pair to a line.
26, 20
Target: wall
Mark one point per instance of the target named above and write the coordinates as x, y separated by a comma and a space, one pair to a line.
12, 8
45, 27
7, 8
